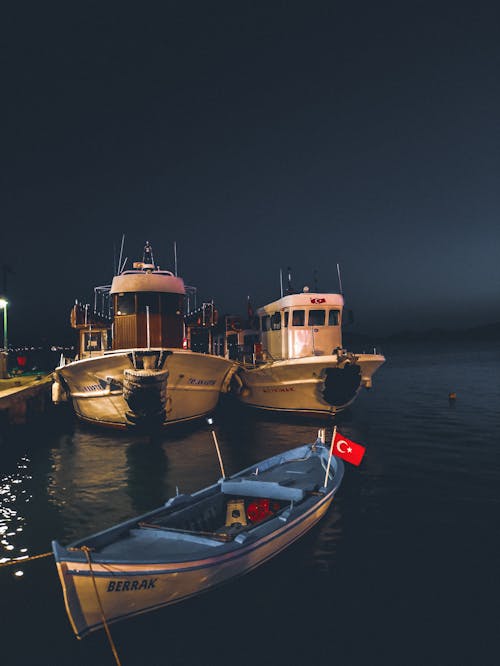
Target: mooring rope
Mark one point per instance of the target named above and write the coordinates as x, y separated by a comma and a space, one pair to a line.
22, 560
86, 550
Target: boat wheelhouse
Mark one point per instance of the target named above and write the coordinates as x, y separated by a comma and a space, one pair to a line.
300, 325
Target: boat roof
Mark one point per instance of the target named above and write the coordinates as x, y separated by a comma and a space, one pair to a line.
147, 280
305, 298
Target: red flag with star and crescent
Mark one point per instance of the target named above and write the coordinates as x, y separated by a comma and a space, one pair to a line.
347, 449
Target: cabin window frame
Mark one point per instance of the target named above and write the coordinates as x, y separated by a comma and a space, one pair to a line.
128, 298
336, 316
316, 323
275, 321
301, 315
90, 337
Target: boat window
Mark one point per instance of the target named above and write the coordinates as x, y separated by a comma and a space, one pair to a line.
333, 318
148, 299
298, 318
93, 341
316, 317
276, 321
125, 304
286, 319
232, 346
171, 304
265, 323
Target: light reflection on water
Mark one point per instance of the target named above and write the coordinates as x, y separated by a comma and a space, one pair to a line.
14, 494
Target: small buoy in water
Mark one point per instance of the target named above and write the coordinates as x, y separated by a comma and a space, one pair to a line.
452, 396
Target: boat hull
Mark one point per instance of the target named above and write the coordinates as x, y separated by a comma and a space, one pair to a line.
314, 385
95, 387
126, 591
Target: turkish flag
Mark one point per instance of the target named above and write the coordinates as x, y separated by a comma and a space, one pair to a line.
347, 449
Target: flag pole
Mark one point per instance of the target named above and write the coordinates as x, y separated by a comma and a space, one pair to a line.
330, 456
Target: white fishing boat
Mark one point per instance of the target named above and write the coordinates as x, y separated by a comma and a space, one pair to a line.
196, 542
132, 367
294, 360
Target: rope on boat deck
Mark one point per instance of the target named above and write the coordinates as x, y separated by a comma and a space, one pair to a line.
22, 560
87, 550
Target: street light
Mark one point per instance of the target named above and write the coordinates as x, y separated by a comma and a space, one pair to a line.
3, 304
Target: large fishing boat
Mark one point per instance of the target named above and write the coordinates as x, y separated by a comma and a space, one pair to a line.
132, 366
292, 358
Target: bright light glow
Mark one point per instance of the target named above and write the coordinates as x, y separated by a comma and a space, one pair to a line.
210, 421
19, 573
3, 303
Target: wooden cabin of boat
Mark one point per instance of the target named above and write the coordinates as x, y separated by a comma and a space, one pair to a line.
148, 307
142, 308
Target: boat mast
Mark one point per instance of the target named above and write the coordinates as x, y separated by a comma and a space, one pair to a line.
340, 281
121, 254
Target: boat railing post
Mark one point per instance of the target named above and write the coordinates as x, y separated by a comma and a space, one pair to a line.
148, 336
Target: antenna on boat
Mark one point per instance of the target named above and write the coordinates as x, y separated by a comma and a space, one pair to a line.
210, 422
289, 278
281, 282
315, 280
340, 281
175, 258
121, 254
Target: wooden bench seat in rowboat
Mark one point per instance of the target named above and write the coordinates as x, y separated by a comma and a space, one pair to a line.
269, 489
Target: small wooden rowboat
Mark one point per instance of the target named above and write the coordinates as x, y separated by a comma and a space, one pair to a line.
196, 542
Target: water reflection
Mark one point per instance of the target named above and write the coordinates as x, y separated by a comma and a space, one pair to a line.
147, 469
15, 493
98, 478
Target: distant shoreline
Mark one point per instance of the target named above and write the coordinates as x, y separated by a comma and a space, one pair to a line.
485, 333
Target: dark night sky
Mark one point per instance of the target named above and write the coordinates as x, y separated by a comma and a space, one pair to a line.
256, 135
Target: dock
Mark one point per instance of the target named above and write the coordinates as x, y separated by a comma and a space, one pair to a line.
24, 397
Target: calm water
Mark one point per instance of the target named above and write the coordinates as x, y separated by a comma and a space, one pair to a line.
403, 570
